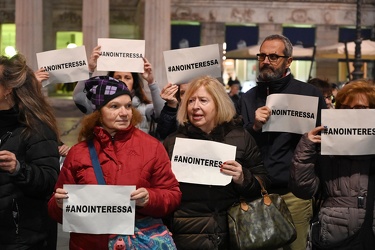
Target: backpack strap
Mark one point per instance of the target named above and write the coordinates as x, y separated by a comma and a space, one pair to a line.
95, 163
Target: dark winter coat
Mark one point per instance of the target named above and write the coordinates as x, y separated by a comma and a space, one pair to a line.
277, 148
344, 180
167, 123
24, 195
201, 220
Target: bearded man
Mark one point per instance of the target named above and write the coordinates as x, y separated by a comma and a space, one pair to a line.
277, 148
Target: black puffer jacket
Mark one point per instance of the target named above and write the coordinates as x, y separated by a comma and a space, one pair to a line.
24, 195
167, 123
201, 220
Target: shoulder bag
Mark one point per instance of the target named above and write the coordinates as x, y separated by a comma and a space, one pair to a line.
264, 223
149, 233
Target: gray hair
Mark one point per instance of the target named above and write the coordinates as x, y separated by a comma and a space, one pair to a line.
288, 51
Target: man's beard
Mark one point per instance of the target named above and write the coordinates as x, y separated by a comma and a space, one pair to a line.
269, 73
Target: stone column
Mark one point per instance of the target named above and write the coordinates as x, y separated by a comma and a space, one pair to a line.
157, 34
95, 22
29, 31
266, 29
327, 68
49, 35
213, 33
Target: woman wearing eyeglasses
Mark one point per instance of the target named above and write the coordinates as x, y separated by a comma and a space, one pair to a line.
340, 182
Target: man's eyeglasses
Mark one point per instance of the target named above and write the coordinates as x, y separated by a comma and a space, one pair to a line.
354, 107
271, 57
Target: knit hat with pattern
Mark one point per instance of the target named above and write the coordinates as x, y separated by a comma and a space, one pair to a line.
102, 89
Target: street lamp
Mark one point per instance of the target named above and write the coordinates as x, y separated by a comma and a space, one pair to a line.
358, 63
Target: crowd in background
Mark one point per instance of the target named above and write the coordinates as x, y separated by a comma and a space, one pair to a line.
131, 151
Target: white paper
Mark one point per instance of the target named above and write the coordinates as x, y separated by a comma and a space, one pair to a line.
64, 65
99, 209
349, 132
121, 55
198, 161
183, 65
291, 113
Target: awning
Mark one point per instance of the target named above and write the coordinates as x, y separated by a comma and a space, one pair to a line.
337, 51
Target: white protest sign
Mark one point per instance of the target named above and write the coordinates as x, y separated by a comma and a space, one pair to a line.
198, 161
64, 65
349, 132
291, 113
183, 65
121, 55
99, 209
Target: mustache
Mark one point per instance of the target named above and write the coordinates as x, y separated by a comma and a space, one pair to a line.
264, 67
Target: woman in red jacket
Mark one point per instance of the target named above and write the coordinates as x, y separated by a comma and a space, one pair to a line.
127, 156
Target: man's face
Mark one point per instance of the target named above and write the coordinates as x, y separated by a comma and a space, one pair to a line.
273, 70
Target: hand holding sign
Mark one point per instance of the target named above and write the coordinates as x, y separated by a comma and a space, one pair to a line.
140, 196
147, 74
168, 94
233, 169
94, 58
314, 136
262, 115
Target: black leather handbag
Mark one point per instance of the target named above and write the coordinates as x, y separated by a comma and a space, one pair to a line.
265, 223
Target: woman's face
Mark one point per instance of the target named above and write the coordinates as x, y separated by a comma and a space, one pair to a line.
126, 77
359, 102
202, 110
117, 114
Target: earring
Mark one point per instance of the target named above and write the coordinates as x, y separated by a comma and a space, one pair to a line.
6, 97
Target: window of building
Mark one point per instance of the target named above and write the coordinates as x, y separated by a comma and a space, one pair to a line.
349, 34
68, 39
185, 35
8, 39
240, 36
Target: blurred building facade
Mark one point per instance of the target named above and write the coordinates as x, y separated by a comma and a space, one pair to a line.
42, 25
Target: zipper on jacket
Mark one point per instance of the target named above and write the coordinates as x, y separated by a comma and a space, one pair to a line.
5, 137
16, 215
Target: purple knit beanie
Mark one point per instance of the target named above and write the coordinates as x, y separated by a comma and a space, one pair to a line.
102, 89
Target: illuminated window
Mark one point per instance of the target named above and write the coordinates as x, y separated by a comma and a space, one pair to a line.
8, 39
68, 39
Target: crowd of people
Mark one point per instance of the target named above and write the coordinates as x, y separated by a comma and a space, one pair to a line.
116, 147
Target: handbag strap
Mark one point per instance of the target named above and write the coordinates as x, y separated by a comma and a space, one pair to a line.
95, 163
263, 191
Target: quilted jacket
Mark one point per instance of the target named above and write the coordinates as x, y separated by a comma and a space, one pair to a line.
343, 179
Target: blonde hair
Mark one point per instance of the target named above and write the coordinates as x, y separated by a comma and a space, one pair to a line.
355, 88
224, 105
92, 120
